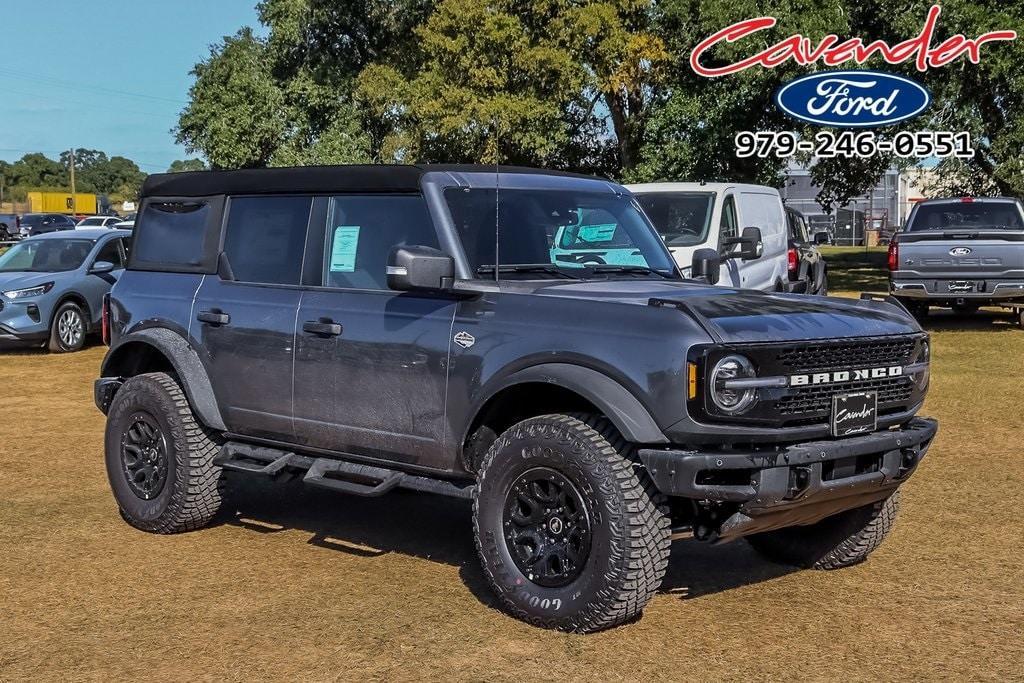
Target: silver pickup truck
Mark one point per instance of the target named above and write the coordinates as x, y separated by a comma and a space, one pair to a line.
961, 254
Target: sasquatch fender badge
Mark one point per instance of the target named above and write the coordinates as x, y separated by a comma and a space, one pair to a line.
464, 339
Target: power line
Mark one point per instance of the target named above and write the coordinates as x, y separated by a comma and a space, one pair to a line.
35, 78
67, 100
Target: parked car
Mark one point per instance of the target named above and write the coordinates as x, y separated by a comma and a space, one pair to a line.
722, 216
10, 227
960, 253
808, 272
41, 223
99, 222
52, 286
372, 328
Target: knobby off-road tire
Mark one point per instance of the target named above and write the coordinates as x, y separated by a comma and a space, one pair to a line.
823, 287
833, 543
169, 483
628, 542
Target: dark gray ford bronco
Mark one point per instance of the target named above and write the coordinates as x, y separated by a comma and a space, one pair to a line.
381, 327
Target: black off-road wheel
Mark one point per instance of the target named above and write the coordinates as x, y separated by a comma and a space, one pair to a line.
68, 329
160, 458
568, 528
834, 542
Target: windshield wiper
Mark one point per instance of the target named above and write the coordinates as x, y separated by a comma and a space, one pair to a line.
639, 270
526, 268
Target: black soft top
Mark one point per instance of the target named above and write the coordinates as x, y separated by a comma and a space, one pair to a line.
385, 178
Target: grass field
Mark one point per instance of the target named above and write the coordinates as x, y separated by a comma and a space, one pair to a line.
301, 584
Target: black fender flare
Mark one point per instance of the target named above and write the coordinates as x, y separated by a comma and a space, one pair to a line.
616, 402
187, 366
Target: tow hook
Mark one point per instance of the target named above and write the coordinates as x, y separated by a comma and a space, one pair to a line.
907, 462
799, 480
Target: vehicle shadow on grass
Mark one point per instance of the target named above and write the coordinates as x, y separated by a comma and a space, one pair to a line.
439, 529
985, 320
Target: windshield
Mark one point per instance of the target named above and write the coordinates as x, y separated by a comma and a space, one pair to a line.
681, 218
92, 221
45, 256
31, 219
552, 233
966, 215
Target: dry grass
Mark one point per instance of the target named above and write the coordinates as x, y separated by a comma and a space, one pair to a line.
307, 585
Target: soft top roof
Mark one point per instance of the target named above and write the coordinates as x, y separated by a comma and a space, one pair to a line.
313, 179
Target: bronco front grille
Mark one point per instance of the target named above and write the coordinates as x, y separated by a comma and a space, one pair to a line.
811, 404
852, 354
809, 400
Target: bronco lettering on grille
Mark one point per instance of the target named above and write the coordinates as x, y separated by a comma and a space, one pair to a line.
844, 376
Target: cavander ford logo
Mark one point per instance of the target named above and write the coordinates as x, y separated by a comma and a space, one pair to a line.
848, 99
852, 99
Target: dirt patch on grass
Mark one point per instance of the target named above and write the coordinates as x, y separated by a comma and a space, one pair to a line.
301, 584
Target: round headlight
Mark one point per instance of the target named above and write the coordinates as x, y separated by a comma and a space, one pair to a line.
732, 400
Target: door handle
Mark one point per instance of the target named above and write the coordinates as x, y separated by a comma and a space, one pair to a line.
324, 326
213, 317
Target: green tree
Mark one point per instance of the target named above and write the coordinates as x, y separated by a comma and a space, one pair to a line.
549, 83
693, 124
286, 99
37, 171
183, 165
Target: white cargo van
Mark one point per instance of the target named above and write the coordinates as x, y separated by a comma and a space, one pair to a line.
693, 216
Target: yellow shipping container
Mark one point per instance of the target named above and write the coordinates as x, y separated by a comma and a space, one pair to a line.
60, 202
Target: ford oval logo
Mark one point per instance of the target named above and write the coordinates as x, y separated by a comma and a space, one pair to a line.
853, 99
959, 251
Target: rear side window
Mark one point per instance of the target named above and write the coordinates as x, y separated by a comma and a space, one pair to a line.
362, 231
178, 235
266, 238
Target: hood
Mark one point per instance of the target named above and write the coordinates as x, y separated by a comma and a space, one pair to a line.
24, 280
739, 315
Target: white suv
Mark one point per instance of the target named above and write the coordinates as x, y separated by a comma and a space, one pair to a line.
692, 216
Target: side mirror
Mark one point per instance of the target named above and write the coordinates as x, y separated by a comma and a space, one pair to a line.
751, 246
101, 267
821, 238
706, 265
413, 269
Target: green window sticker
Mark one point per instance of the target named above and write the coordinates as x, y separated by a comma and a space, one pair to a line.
597, 233
343, 250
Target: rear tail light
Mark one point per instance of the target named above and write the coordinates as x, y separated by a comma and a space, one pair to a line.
967, 200
894, 255
792, 260
106, 319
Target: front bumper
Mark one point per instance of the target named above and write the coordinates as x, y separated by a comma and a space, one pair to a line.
780, 486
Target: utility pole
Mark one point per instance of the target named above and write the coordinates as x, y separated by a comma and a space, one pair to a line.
74, 208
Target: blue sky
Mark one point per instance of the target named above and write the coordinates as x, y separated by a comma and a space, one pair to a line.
109, 74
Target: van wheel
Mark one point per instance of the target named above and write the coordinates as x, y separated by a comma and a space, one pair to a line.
159, 458
568, 528
834, 542
67, 331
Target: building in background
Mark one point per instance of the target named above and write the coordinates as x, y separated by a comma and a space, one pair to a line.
884, 208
